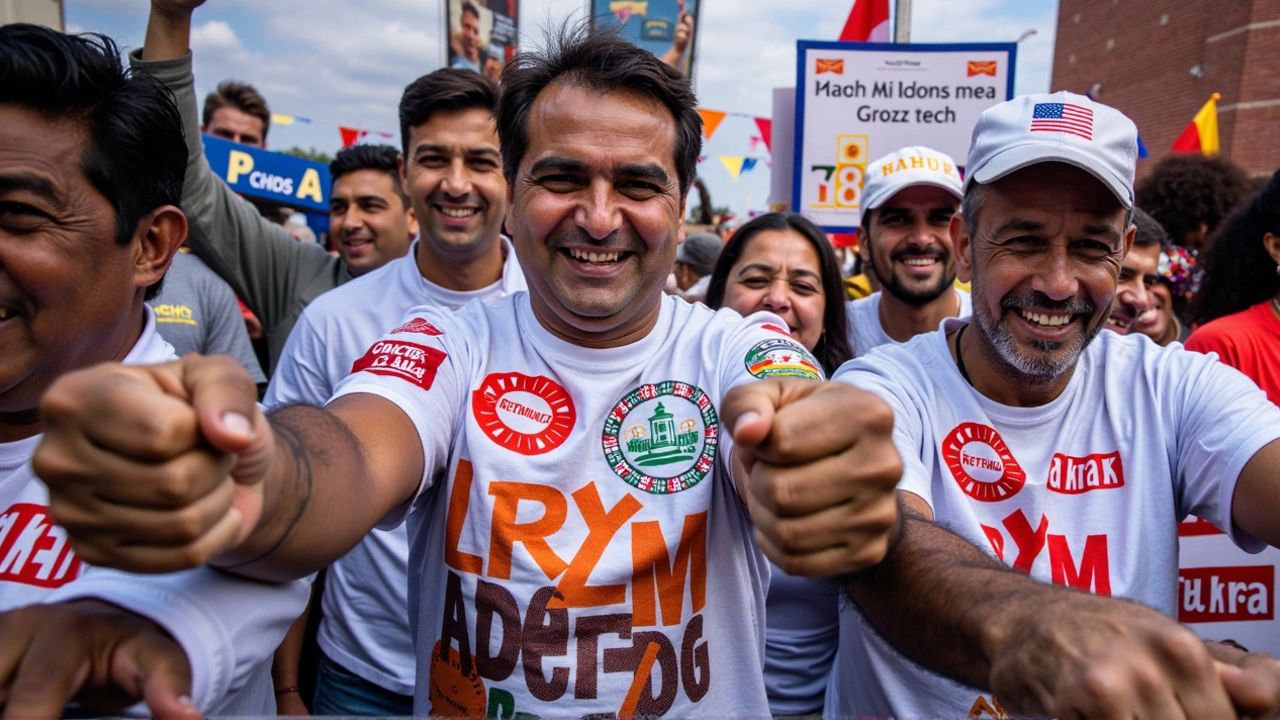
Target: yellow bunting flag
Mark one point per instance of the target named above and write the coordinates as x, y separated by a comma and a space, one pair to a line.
710, 121
278, 119
733, 163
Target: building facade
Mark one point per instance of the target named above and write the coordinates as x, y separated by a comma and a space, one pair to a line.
1159, 61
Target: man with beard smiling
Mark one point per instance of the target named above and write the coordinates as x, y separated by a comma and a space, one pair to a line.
594, 467
1067, 455
905, 239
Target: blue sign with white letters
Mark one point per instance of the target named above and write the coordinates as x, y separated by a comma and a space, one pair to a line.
259, 173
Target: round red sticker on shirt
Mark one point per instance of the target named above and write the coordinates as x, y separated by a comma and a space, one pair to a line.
524, 414
981, 463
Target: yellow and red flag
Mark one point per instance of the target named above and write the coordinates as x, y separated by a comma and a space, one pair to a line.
1201, 134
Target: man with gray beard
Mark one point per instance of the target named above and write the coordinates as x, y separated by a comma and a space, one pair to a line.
1067, 455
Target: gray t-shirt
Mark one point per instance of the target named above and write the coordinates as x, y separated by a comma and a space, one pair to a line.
197, 312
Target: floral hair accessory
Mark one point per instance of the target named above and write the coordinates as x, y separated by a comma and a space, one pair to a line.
1176, 265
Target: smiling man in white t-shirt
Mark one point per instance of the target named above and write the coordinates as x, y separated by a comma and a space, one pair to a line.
593, 472
905, 239
1063, 453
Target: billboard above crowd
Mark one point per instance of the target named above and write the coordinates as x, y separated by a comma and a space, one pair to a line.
482, 34
666, 28
856, 102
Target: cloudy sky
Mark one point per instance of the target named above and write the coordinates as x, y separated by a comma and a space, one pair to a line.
346, 63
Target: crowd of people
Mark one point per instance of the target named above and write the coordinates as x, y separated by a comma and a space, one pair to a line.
530, 444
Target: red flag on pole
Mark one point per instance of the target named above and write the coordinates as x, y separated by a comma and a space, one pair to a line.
868, 22
351, 136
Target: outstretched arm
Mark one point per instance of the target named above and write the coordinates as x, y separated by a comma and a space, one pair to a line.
1042, 649
166, 467
261, 262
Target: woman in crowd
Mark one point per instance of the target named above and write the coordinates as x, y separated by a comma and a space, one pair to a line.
783, 264
1161, 321
1239, 299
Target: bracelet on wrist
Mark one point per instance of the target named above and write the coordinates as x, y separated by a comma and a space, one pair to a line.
290, 689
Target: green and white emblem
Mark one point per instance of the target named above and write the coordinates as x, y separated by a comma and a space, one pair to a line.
662, 437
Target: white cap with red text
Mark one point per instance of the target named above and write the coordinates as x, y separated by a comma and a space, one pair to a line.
907, 167
1061, 127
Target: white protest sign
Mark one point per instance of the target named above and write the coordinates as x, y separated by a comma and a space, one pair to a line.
856, 102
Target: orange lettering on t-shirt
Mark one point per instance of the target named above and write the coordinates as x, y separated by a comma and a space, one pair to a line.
1094, 574
505, 532
653, 571
459, 502
603, 526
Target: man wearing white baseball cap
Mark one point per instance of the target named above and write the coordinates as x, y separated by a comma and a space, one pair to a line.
908, 200
1068, 455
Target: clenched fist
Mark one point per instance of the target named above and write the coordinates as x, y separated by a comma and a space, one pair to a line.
155, 468
822, 471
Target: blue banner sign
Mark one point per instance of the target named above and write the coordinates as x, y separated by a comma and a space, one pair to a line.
259, 173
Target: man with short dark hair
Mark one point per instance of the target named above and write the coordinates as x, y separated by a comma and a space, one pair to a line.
584, 466
1068, 455
91, 163
368, 665
468, 45
1139, 272
371, 220
237, 112
905, 240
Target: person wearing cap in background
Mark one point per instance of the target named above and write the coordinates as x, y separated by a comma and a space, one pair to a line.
905, 240
1067, 454
695, 259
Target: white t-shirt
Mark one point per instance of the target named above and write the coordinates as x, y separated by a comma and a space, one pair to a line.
580, 499
202, 609
865, 331
365, 622
1085, 491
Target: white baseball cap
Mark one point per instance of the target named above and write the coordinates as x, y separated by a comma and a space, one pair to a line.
1061, 127
907, 167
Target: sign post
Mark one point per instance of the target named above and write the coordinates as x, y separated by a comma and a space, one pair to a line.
856, 102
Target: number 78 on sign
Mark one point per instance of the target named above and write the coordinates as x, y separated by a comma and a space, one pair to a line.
840, 185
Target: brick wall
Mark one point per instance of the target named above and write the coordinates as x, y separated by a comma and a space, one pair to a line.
1140, 53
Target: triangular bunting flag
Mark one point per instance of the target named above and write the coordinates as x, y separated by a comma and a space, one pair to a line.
748, 163
351, 136
278, 119
701, 159
755, 142
1142, 148
710, 121
766, 132
733, 164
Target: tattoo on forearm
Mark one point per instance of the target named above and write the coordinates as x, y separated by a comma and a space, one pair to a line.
300, 485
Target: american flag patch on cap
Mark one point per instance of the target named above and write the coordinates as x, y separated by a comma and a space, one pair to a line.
1062, 117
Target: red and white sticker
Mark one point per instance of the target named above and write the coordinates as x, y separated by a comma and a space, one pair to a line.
524, 414
419, 326
405, 360
982, 463
34, 551
1072, 475
1220, 594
